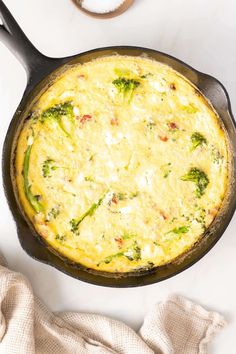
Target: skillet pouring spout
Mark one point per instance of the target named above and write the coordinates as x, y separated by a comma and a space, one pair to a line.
41, 70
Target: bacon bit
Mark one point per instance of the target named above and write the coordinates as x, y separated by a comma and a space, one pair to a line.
172, 86
172, 125
114, 121
165, 217
81, 76
119, 241
213, 212
115, 199
163, 138
85, 118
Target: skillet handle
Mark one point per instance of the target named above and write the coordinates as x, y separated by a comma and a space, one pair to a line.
14, 38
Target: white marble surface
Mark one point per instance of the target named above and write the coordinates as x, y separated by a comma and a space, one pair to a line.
202, 33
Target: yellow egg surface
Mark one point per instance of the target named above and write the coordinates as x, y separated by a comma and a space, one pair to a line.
122, 165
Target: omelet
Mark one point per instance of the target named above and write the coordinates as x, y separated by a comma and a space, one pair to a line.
122, 164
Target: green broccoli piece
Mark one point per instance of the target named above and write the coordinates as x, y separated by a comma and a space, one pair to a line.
126, 87
217, 156
60, 238
47, 167
57, 112
128, 235
74, 226
136, 253
197, 140
108, 259
179, 230
135, 256
53, 214
50, 165
76, 222
121, 196
199, 178
32, 199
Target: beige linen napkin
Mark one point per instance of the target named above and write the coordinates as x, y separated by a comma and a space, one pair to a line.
176, 326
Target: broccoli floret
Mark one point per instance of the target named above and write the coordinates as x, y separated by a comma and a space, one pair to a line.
74, 226
126, 87
197, 140
199, 178
57, 112
50, 165
136, 253
47, 167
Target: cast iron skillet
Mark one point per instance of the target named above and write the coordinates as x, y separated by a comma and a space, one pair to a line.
40, 71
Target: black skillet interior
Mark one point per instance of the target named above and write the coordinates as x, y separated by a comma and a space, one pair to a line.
41, 70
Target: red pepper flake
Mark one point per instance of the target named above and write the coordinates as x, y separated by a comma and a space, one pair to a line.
85, 118
163, 138
172, 125
81, 76
115, 199
114, 121
172, 86
165, 217
119, 241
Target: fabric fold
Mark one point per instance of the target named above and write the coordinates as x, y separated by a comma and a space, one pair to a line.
176, 326
180, 326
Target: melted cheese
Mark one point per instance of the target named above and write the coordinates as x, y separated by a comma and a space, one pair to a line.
109, 176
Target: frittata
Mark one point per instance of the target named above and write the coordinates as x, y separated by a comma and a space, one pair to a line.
122, 164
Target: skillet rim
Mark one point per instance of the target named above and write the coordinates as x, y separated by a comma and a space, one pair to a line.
97, 279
